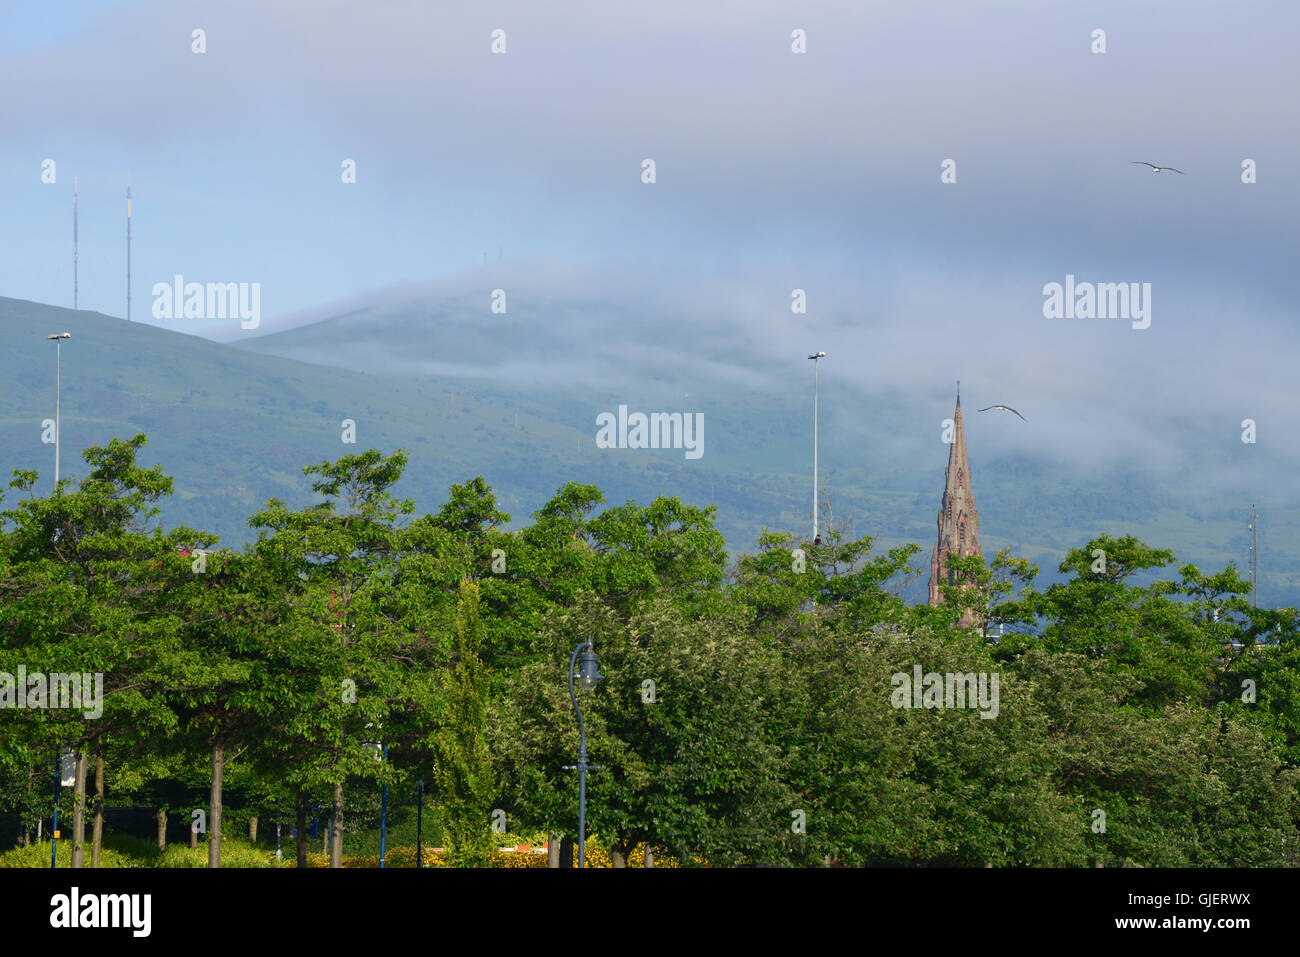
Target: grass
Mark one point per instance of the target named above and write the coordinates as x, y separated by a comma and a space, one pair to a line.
124, 850
128, 851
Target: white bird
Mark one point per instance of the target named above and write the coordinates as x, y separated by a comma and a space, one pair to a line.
1004, 408
1158, 169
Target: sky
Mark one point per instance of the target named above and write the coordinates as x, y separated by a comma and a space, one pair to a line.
775, 170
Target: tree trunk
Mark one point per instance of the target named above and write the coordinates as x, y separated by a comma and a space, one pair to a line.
252, 829
552, 850
162, 829
300, 827
649, 856
79, 814
566, 851
617, 856
97, 840
336, 849
214, 806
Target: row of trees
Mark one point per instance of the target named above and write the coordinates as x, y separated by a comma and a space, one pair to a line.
748, 713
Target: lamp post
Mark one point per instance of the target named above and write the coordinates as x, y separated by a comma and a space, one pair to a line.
54, 830
419, 823
587, 676
58, 370
816, 357
63, 776
1254, 556
383, 818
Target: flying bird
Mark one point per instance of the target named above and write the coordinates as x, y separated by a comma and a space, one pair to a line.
1158, 169
1004, 408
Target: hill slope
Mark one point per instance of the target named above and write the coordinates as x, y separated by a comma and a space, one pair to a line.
234, 426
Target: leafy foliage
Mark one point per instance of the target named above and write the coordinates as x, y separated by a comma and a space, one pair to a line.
746, 715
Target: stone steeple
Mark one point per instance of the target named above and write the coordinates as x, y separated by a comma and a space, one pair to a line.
959, 522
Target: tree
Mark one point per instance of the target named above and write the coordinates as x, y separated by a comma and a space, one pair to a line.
464, 771
78, 595
787, 581
1146, 631
338, 560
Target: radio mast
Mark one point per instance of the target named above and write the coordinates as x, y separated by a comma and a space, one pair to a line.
128, 245
74, 243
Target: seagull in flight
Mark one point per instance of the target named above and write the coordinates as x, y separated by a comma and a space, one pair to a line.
1158, 169
1004, 408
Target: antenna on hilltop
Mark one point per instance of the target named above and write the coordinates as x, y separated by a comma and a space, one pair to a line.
1254, 556
128, 245
74, 243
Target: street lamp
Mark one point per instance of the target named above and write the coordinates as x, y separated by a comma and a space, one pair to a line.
54, 829
587, 676
816, 357
63, 776
58, 425
383, 818
419, 822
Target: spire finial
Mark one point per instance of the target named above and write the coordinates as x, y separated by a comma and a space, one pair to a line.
959, 391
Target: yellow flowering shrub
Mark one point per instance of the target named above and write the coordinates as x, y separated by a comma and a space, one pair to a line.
596, 856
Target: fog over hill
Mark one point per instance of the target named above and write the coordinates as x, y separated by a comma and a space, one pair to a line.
1121, 435
514, 397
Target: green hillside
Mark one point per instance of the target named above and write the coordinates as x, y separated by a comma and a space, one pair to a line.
234, 427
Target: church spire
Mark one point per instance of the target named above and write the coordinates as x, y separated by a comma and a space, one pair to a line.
959, 522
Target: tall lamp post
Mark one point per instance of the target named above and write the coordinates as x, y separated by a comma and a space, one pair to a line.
587, 676
419, 822
816, 357
54, 830
383, 817
58, 423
